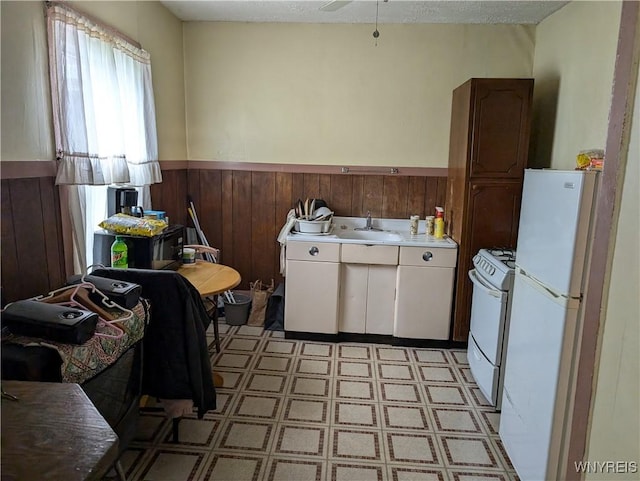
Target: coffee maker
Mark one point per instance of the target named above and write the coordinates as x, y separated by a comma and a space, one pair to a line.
123, 200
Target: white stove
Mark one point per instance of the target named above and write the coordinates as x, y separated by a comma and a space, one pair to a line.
497, 266
492, 278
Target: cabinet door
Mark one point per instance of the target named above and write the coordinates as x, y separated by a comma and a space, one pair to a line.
423, 302
367, 298
381, 296
353, 297
491, 220
493, 212
311, 293
501, 110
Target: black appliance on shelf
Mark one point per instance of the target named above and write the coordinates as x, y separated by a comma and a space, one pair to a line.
162, 251
122, 200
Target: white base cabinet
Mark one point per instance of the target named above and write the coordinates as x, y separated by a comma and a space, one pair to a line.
402, 291
424, 293
367, 288
311, 288
367, 298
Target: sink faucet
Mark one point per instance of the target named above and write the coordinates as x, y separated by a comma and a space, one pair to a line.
368, 225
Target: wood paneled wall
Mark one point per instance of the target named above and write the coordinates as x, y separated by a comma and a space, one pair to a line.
32, 248
241, 212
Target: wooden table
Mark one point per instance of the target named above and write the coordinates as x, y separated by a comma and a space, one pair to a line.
53, 431
211, 279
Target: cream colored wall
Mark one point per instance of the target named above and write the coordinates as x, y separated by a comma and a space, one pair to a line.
27, 133
614, 428
325, 94
571, 108
161, 36
573, 70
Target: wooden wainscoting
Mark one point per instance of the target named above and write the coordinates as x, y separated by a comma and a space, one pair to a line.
32, 247
241, 211
171, 195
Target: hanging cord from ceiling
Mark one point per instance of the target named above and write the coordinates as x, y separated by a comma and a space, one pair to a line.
376, 33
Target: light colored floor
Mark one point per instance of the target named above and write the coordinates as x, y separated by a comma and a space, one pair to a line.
300, 410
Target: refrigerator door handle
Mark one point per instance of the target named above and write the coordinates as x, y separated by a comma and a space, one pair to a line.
540, 284
567, 302
477, 281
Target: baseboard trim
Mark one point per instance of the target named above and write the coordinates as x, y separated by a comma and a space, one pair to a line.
375, 339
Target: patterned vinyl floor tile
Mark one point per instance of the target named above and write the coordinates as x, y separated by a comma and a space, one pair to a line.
292, 410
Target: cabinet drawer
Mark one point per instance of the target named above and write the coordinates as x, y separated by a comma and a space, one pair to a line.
313, 251
369, 254
428, 256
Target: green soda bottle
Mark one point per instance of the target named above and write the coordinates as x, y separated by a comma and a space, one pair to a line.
119, 257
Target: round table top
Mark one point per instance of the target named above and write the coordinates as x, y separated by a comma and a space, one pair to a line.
208, 278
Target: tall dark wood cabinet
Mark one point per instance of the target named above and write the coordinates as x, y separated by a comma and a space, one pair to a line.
488, 149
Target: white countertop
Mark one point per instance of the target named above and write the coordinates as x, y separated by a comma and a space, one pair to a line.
395, 226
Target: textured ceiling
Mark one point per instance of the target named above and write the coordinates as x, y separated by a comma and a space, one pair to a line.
364, 11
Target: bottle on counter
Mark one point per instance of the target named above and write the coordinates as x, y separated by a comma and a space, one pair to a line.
413, 226
429, 225
438, 223
119, 253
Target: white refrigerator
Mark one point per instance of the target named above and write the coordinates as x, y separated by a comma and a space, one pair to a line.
553, 237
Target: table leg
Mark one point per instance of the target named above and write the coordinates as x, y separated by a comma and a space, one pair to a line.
218, 381
120, 471
214, 319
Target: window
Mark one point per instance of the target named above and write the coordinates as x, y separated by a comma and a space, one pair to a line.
104, 119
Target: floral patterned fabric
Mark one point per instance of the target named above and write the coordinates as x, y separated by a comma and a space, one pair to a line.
82, 362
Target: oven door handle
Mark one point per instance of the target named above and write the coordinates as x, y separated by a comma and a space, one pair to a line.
477, 280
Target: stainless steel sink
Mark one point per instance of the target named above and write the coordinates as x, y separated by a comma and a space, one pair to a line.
369, 235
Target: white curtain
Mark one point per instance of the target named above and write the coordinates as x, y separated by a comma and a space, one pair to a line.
104, 118
88, 207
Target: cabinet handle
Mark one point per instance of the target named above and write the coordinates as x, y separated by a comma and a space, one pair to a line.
314, 251
427, 256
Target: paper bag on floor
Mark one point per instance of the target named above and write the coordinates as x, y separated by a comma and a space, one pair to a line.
259, 297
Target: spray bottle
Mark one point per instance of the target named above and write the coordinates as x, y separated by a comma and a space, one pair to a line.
438, 223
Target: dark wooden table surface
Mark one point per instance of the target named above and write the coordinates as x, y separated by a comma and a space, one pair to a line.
53, 431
